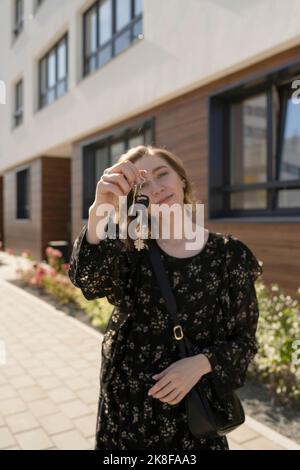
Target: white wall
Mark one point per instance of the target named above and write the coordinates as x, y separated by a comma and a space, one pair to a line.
186, 43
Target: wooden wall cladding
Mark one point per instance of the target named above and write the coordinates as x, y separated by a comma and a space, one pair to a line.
56, 211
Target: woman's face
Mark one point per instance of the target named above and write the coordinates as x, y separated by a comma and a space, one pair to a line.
163, 184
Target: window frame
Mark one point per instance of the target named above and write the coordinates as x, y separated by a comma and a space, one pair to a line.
18, 18
111, 42
122, 134
219, 187
42, 102
18, 106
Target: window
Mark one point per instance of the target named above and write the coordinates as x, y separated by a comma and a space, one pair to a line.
110, 26
18, 113
53, 73
255, 151
104, 153
23, 209
18, 17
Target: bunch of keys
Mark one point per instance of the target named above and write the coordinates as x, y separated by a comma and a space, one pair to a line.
138, 199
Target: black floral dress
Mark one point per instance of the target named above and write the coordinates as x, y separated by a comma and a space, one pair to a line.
218, 311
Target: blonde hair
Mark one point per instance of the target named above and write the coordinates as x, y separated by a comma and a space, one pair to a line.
134, 154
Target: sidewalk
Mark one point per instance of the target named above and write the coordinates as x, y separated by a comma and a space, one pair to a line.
49, 384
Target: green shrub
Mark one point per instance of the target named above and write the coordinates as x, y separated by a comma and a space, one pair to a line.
60, 287
98, 310
278, 329
53, 280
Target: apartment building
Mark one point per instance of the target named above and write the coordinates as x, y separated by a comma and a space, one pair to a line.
214, 81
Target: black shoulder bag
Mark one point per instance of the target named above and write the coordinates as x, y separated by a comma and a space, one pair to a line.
203, 419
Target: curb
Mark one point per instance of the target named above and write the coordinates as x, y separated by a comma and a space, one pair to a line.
272, 435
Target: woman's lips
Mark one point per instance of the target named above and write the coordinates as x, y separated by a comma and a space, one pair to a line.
166, 199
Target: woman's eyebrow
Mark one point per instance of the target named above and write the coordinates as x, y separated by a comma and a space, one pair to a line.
158, 167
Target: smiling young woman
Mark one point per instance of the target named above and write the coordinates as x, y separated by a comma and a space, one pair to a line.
143, 380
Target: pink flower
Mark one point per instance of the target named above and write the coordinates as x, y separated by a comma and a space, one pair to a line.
65, 267
9, 251
53, 252
52, 272
33, 281
57, 253
49, 251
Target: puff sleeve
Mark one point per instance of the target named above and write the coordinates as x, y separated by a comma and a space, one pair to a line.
101, 270
231, 353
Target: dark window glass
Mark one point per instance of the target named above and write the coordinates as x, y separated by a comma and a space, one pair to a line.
23, 207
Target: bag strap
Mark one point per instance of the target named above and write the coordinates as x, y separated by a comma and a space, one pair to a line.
166, 290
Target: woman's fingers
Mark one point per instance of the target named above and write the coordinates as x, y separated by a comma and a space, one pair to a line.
118, 179
174, 398
128, 169
112, 188
165, 391
165, 380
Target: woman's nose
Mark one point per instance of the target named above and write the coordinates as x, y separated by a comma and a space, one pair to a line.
156, 189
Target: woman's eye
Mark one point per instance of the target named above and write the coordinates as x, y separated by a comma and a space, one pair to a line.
162, 174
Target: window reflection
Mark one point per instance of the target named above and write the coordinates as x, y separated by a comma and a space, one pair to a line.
290, 159
123, 13
249, 199
289, 198
62, 61
135, 141
105, 22
116, 151
107, 34
122, 42
249, 141
53, 73
138, 7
